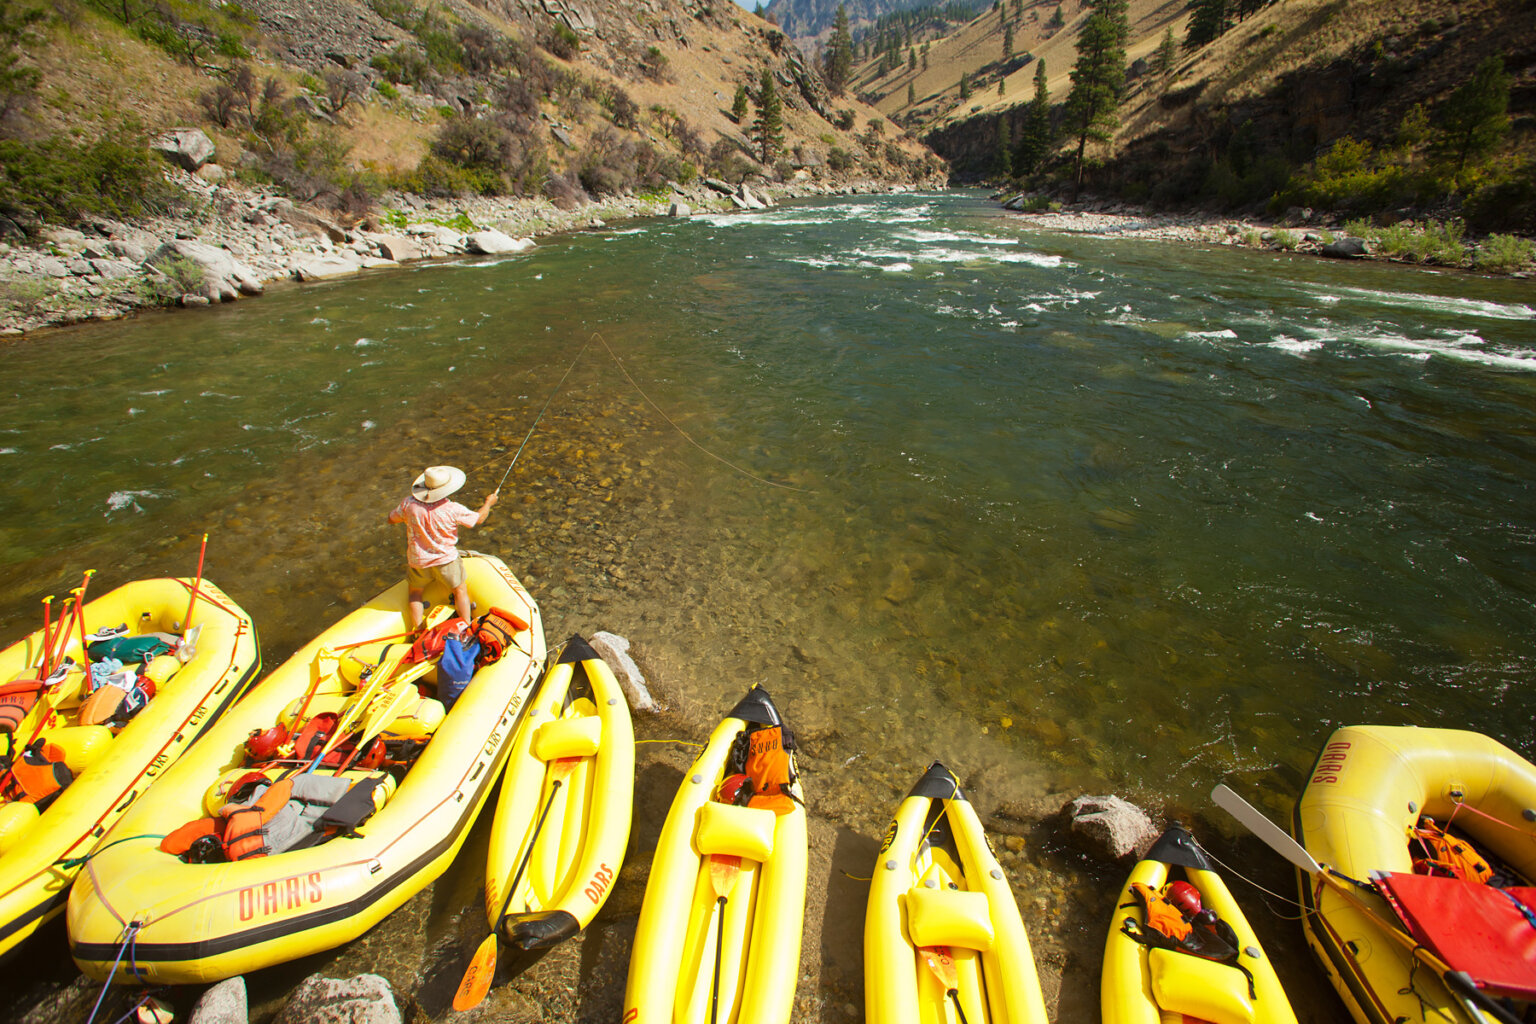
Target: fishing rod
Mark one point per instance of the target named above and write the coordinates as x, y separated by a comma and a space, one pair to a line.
540, 416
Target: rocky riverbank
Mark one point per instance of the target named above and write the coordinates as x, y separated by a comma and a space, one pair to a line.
230, 240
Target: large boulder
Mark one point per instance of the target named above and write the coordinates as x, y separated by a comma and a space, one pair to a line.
491, 242
187, 148
224, 1003
397, 248
307, 220
1345, 248
364, 999
1110, 828
322, 268
614, 650
224, 278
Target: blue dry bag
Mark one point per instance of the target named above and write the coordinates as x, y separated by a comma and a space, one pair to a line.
456, 668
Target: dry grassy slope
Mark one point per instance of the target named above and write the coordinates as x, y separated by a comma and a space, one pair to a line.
94, 72
978, 45
1305, 71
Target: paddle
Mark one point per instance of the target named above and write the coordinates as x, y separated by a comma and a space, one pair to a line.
942, 963
85, 659
348, 720
1459, 983
43, 666
482, 966
724, 869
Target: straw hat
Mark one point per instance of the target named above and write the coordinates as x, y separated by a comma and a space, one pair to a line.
437, 483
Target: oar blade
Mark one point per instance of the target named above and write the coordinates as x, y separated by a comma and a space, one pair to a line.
1272, 835
724, 869
942, 963
477, 977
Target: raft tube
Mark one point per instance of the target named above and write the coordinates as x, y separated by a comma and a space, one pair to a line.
113, 771
562, 820
938, 892
673, 970
1140, 985
140, 914
1366, 792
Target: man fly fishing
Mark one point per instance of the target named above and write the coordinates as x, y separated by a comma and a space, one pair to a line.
432, 525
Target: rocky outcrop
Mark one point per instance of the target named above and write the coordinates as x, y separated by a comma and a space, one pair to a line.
224, 1003
493, 243
224, 278
614, 650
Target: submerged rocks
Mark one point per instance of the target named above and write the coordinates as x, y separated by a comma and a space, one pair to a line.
1110, 828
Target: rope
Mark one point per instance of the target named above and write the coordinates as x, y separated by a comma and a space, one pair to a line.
686, 743
133, 931
686, 436
1233, 871
75, 862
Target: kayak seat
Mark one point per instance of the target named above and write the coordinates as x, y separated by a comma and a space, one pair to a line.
1196, 987
949, 917
731, 831
568, 737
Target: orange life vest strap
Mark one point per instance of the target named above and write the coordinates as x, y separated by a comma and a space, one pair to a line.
1162, 916
245, 832
1449, 855
767, 763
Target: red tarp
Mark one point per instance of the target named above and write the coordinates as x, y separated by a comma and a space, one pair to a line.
1473, 927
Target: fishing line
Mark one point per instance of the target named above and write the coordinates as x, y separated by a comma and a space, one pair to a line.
542, 411
688, 437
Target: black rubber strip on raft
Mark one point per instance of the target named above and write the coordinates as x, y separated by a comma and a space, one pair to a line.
938, 783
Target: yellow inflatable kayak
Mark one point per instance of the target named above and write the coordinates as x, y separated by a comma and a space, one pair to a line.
1391, 811
562, 820
943, 940
335, 791
719, 933
1216, 972
81, 748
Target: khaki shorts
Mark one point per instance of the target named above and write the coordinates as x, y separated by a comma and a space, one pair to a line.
452, 575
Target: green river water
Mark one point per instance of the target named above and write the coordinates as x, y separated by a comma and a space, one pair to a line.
1072, 515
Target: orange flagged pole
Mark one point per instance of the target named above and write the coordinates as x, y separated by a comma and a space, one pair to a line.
186, 623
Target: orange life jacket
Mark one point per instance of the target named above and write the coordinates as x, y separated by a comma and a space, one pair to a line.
37, 775
1162, 916
1447, 855
497, 630
767, 764
245, 829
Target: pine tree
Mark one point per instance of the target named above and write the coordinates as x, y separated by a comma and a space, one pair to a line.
1475, 118
1001, 87
1002, 157
1097, 78
965, 88
1167, 54
768, 129
911, 58
1007, 42
911, 95
1035, 139
1208, 19
739, 105
840, 56
1057, 20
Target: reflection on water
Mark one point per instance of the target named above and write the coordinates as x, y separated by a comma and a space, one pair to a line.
1070, 515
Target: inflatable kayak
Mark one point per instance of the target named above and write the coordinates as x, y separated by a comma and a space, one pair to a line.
337, 789
943, 940
1179, 945
1430, 836
82, 745
719, 932
562, 820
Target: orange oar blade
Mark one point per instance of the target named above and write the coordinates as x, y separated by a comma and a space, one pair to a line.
723, 872
477, 979
942, 964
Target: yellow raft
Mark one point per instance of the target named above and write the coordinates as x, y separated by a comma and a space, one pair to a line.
1367, 792
719, 932
139, 913
943, 940
111, 764
1143, 984
562, 820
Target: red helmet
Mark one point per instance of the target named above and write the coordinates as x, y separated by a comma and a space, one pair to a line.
735, 789
1184, 896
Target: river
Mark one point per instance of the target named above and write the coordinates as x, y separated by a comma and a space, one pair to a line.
1072, 515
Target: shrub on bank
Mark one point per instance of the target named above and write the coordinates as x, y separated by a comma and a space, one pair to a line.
1505, 254
58, 180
